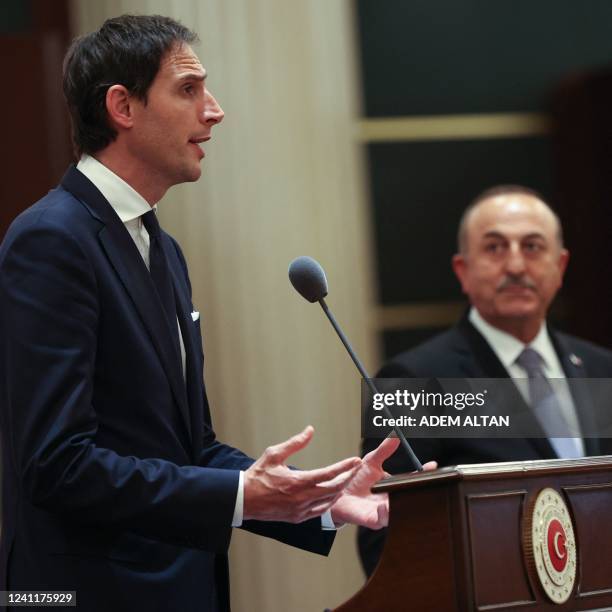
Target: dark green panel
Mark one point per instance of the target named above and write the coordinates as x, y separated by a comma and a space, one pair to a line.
15, 16
473, 56
419, 191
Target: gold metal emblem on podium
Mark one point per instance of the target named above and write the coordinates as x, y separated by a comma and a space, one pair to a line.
552, 546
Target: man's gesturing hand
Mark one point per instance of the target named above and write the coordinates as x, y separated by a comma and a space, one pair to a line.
357, 504
273, 492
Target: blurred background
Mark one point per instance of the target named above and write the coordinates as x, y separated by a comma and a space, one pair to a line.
355, 132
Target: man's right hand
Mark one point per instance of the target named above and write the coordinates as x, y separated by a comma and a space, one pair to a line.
274, 492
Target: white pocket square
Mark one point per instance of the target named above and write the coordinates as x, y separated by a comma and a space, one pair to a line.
195, 315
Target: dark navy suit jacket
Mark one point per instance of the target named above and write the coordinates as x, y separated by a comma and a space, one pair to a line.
114, 484
462, 352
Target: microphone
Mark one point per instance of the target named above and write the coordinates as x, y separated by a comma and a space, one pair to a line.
309, 280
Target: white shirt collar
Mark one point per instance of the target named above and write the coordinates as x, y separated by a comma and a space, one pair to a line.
125, 200
508, 348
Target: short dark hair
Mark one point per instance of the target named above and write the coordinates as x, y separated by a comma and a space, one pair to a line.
501, 190
126, 50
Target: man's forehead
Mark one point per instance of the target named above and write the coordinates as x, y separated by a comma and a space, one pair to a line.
182, 60
520, 213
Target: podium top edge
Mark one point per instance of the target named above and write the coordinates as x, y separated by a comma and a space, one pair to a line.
511, 469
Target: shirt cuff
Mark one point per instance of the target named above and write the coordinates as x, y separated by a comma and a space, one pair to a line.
239, 507
327, 524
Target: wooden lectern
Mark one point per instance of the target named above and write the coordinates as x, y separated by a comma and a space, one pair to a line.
496, 537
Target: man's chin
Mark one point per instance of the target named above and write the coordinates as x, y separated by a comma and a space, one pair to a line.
518, 306
518, 311
192, 175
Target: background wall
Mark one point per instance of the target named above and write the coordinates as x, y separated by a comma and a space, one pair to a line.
35, 134
461, 96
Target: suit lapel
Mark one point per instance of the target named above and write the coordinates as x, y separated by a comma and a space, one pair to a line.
487, 365
130, 268
483, 362
573, 366
192, 375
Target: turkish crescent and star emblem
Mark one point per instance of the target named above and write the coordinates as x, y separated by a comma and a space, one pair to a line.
553, 545
557, 550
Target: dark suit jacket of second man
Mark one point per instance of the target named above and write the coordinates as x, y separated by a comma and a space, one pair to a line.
462, 352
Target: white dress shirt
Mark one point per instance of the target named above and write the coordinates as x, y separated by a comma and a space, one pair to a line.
130, 206
507, 349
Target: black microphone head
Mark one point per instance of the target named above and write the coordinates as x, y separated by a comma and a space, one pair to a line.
308, 278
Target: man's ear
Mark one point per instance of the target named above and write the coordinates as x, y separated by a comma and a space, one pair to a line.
118, 107
564, 256
459, 265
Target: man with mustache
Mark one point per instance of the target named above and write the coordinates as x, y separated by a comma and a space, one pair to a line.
510, 264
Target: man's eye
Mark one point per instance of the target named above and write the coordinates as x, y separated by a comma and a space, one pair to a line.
493, 247
533, 247
188, 89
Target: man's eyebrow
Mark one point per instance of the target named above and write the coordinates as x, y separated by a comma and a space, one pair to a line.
530, 236
494, 234
194, 76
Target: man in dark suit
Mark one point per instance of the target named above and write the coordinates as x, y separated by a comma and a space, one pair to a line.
114, 484
510, 264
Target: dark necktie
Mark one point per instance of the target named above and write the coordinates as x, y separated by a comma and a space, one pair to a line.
158, 267
546, 407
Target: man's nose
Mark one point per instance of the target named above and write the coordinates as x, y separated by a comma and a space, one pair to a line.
213, 113
515, 263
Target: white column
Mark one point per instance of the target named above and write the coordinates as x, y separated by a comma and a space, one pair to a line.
283, 177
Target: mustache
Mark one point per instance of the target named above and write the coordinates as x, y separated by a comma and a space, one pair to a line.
523, 282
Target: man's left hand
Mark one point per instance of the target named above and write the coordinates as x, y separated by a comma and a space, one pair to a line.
357, 504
